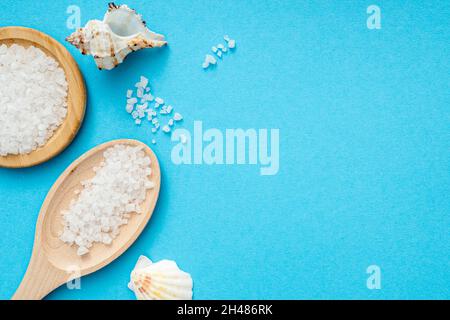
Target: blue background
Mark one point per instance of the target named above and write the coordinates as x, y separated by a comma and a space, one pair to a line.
364, 150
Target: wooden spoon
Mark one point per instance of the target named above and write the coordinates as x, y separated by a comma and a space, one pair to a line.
76, 98
54, 262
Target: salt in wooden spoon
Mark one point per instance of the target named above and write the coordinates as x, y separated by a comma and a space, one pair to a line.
54, 262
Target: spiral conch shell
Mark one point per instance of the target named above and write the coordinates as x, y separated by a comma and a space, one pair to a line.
121, 32
162, 280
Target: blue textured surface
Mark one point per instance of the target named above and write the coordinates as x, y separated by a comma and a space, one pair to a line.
364, 152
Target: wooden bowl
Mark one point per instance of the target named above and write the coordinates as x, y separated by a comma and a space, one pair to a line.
76, 99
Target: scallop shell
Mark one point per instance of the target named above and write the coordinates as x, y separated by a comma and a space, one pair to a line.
121, 32
162, 280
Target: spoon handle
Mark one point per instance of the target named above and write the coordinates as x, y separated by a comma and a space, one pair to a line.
40, 279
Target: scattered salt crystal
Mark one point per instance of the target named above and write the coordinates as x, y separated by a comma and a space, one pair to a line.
205, 65
153, 141
210, 59
177, 117
232, 44
148, 97
129, 108
227, 38
219, 54
214, 49
139, 107
222, 47
107, 201
132, 101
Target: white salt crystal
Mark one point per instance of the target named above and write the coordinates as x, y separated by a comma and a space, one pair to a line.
159, 101
129, 108
170, 123
129, 93
148, 97
219, 54
205, 65
210, 59
232, 44
227, 38
169, 109
214, 49
222, 47
82, 251
166, 129
177, 117
144, 81
153, 141
132, 101
138, 121
106, 239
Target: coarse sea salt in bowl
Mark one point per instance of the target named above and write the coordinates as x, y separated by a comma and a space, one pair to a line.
23, 146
